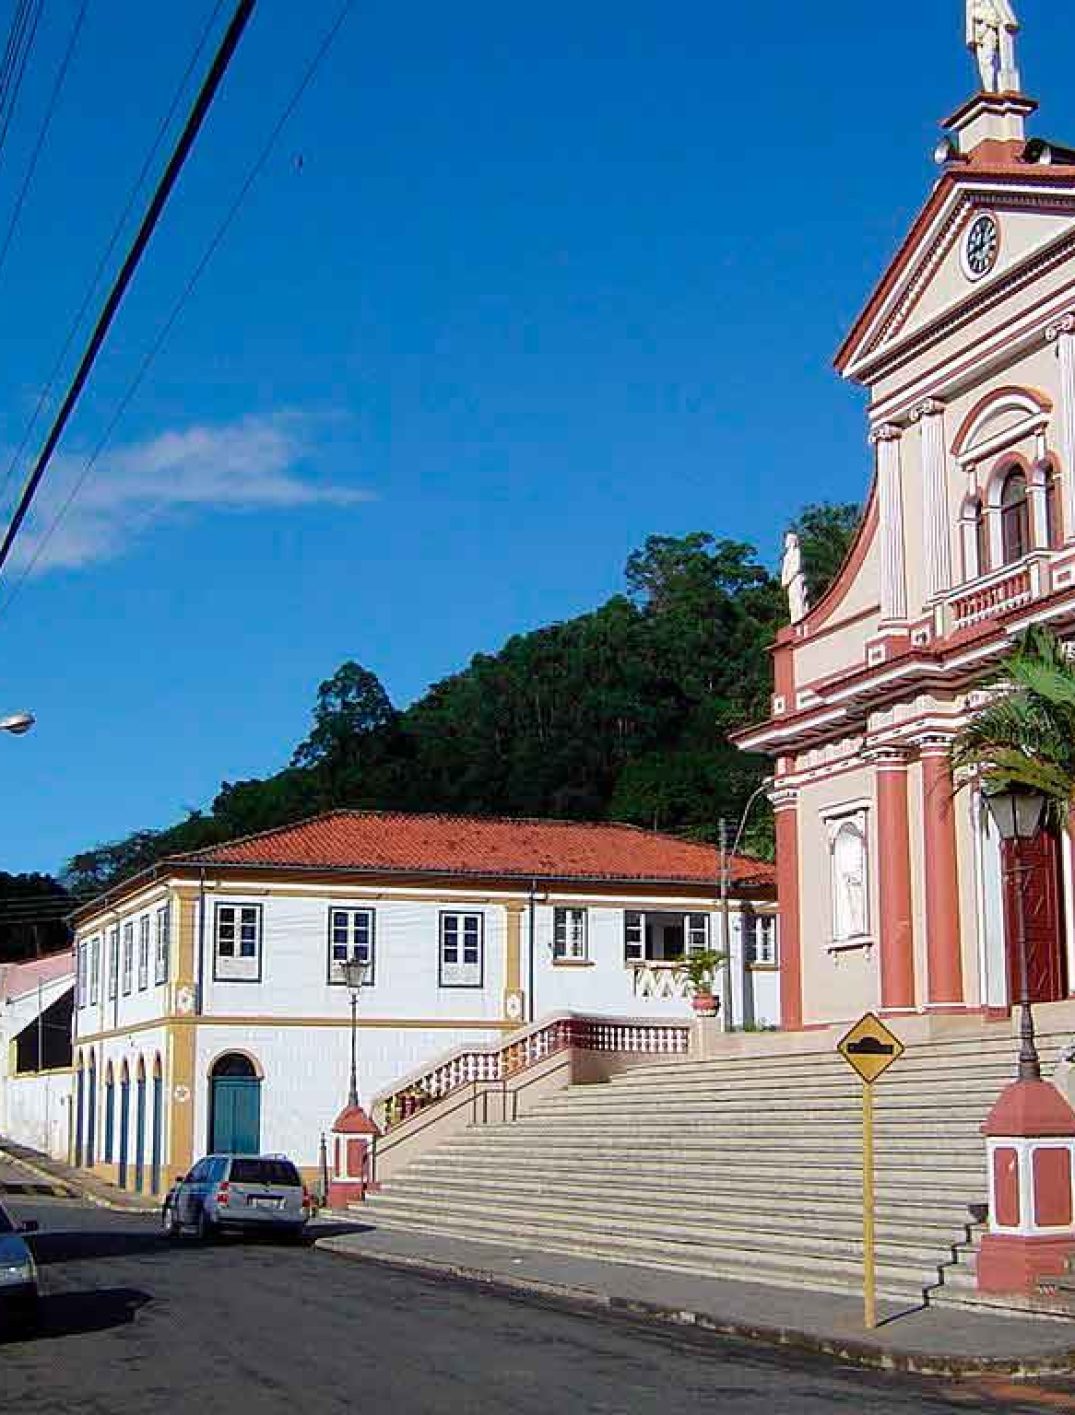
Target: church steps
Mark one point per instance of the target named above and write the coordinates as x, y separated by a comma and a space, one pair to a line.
830, 1273
746, 1167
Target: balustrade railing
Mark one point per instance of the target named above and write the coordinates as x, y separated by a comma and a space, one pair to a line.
985, 601
498, 1062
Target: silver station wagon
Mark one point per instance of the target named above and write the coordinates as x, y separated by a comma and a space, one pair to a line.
255, 1193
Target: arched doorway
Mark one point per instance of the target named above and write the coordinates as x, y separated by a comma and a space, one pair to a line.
1033, 867
155, 1152
234, 1106
110, 1114
91, 1113
124, 1123
80, 1104
140, 1129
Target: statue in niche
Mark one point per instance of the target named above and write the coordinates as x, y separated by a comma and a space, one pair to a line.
991, 30
849, 882
793, 579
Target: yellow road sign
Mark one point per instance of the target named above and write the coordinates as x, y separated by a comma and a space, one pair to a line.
870, 1047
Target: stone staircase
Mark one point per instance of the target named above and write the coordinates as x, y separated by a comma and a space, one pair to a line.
745, 1167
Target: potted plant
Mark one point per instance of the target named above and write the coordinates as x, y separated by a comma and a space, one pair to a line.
701, 968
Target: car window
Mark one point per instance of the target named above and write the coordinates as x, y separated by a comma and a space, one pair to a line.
218, 1169
259, 1171
6, 1226
199, 1173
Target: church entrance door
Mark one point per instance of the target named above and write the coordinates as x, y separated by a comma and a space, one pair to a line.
1034, 866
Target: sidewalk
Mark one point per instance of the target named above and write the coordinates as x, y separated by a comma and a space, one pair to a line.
928, 1341
74, 1183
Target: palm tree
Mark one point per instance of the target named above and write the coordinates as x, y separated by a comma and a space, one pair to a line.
1025, 737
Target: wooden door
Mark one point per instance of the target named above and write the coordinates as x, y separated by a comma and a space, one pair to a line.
1043, 918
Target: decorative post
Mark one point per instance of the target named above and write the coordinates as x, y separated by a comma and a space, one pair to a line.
886, 439
1062, 333
785, 810
934, 498
354, 1135
894, 878
941, 876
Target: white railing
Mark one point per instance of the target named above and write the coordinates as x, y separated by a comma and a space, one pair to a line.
666, 981
996, 596
499, 1061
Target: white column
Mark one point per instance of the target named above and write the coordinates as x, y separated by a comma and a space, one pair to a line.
890, 506
1063, 334
936, 532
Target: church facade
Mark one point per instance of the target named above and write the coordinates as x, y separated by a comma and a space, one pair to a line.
894, 891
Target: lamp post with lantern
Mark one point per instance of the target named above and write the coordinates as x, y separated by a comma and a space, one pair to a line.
1017, 812
354, 972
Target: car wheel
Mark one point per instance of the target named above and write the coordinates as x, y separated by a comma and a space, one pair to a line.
170, 1224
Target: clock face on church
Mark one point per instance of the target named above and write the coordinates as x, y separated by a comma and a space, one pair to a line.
982, 246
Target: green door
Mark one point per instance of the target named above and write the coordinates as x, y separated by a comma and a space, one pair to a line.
235, 1126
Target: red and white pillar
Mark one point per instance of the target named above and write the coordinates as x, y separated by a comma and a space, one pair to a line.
353, 1141
1030, 1139
786, 813
941, 871
894, 883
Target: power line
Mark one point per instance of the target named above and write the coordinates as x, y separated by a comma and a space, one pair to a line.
217, 239
43, 130
176, 162
20, 58
113, 242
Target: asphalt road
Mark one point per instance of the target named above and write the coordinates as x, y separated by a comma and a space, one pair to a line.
131, 1324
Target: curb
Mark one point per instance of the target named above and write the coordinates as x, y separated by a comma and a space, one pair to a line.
855, 1351
78, 1191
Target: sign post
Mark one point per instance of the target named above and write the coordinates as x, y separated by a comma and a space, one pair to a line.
870, 1049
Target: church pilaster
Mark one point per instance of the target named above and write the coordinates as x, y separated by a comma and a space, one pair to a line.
1062, 333
935, 532
886, 440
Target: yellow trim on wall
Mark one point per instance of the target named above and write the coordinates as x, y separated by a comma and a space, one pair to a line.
187, 1024
513, 958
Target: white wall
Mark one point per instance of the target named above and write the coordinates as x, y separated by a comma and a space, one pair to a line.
36, 1111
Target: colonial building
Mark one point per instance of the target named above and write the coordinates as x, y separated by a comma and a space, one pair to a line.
211, 1010
36, 1000
893, 890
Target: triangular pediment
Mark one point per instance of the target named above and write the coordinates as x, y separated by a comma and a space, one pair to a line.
930, 280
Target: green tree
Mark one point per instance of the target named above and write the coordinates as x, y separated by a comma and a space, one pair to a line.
826, 531
1026, 735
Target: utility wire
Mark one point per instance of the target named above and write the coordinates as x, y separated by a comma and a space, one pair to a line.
106, 256
167, 182
43, 130
14, 85
188, 290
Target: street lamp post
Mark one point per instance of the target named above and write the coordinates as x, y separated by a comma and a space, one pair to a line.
354, 975
1017, 813
726, 857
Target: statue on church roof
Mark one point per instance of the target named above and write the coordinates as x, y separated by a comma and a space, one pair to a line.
991, 30
793, 579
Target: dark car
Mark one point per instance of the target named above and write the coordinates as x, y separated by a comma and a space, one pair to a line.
18, 1272
255, 1193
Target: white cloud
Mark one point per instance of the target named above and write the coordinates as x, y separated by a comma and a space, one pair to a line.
257, 463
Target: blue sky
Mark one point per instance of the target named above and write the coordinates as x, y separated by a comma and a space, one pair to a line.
519, 286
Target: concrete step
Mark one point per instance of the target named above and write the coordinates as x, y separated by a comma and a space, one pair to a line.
830, 1274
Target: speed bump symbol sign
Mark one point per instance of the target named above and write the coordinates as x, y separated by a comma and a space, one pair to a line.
870, 1047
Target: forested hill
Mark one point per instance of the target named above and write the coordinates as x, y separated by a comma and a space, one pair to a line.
622, 713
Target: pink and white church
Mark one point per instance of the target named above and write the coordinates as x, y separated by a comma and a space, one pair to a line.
893, 891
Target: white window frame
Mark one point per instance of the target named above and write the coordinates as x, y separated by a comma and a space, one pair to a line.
634, 936
128, 957
760, 941
240, 926
570, 934
143, 953
161, 946
113, 962
352, 933
462, 932
95, 970
81, 974
696, 929
696, 935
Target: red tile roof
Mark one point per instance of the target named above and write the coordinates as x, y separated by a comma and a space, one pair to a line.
396, 843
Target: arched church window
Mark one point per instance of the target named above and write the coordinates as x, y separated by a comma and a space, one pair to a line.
1014, 517
1052, 509
848, 856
